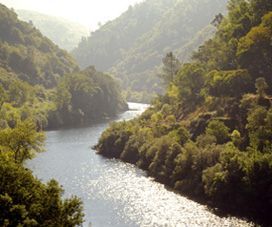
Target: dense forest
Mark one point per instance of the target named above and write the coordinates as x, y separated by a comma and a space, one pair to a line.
210, 135
81, 98
30, 55
66, 34
41, 87
131, 47
39, 79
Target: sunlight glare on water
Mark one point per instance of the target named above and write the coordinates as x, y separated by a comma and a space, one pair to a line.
115, 193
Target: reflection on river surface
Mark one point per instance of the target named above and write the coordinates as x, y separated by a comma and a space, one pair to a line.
115, 193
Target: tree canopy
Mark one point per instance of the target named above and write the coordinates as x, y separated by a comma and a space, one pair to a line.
210, 135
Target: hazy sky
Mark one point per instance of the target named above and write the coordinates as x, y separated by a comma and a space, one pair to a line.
87, 12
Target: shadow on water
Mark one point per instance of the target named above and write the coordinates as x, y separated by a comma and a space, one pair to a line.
134, 109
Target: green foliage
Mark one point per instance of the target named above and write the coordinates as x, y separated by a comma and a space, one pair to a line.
224, 181
20, 101
165, 151
84, 96
22, 141
256, 48
228, 83
236, 138
26, 52
219, 130
41, 82
190, 164
259, 9
190, 81
240, 177
260, 128
41, 86
25, 201
261, 86
210, 135
171, 65
131, 47
115, 140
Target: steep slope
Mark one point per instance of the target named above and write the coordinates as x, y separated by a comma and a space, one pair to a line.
26, 52
24, 199
106, 45
30, 62
210, 135
132, 46
66, 34
36, 81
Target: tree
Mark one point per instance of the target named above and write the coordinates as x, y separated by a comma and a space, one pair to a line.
254, 50
260, 8
232, 83
25, 201
217, 20
236, 138
261, 86
23, 141
259, 128
190, 81
170, 68
219, 130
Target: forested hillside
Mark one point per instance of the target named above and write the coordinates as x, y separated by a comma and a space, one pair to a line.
33, 71
83, 97
41, 87
66, 34
210, 135
26, 52
131, 47
24, 200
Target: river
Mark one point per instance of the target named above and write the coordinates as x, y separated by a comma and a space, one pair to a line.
115, 193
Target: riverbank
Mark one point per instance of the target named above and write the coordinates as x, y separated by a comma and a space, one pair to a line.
221, 210
114, 193
163, 148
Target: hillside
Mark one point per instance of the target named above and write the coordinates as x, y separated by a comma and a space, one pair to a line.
41, 87
27, 53
66, 34
35, 75
24, 55
132, 46
209, 137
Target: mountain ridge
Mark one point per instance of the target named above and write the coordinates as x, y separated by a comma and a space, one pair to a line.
63, 32
155, 28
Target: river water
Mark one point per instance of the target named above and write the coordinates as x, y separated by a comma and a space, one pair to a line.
115, 193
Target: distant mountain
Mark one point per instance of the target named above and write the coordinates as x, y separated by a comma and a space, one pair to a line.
66, 34
132, 46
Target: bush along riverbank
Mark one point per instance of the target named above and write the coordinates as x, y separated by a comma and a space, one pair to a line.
210, 136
